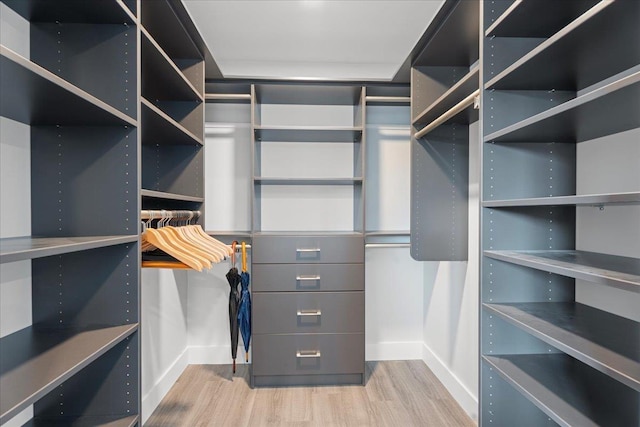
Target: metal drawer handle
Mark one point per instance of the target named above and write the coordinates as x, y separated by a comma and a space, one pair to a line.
308, 278
307, 250
308, 354
309, 313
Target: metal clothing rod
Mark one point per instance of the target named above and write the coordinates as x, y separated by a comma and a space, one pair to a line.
469, 100
387, 245
239, 248
167, 214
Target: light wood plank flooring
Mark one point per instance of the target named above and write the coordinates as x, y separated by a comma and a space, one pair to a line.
398, 393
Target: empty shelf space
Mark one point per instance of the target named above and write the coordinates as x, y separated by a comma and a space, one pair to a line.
458, 92
86, 422
306, 181
604, 341
531, 18
159, 128
308, 133
161, 78
72, 11
387, 100
604, 111
160, 19
228, 97
35, 362
28, 91
630, 198
170, 196
23, 248
532, 71
611, 270
569, 392
462, 113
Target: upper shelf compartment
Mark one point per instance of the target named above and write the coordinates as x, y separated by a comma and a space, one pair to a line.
159, 128
28, 91
574, 58
160, 19
70, 11
308, 134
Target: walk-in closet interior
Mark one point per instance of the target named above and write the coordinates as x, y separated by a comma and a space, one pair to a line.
440, 226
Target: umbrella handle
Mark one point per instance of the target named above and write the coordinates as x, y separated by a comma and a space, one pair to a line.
244, 256
233, 253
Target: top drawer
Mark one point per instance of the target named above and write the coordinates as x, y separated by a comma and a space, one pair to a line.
274, 249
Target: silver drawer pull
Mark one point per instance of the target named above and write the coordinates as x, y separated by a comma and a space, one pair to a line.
308, 278
309, 313
307, 250
308, 354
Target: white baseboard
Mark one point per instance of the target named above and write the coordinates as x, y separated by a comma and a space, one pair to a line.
394, 351
153, 398
215, 355
460, 393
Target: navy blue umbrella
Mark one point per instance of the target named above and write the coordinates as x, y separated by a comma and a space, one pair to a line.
244, 308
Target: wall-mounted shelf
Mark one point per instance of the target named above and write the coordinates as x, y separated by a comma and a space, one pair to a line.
160, 19
23, 248
597, 338
35, 362
583, 118
531, 18
564, 389
73, 11
228, 97
90, 422
308, 133
28, 89
307, 181
629, 198
160, 128
387, 100
611, 270
170, 196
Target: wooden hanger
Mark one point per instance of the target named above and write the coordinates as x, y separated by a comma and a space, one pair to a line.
157, 239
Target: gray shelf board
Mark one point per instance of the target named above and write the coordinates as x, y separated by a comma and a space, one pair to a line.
161, 78
36, 362
387, 233
94, 421
532, 71
611, 270
243, 98
307, 134
610, 109
170, 196
604, 341
307, 181
308, 94
159, 18
456, 40
159, 128
630, 198
28, 91
566, 390
531, 18
463, 88
24, 248
308, 233
388, 100
244, 233
72, 11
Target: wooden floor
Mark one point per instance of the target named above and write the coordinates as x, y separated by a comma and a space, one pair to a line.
403, 393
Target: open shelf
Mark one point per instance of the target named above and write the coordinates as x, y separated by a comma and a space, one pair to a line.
569, 392
463, 88
617, 271
170, 196
244, 98
161, 78
604, 341
307, 181
72, 11
86, 422
308, 133
586, 117
630, 198
23, 248
563, 50
28, 91
532, 18
159, 18
308, 233
160, 128
387, 100
36, 362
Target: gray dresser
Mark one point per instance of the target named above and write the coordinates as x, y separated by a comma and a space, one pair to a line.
308, 309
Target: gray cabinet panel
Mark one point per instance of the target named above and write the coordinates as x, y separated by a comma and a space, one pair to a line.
308, 354
307, 277
308, 312
276, 249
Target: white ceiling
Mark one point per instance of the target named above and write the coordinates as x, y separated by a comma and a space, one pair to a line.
311, 39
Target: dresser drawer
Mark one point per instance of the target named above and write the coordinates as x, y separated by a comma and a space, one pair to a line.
308, 312
307, 277
308, 354
275, 249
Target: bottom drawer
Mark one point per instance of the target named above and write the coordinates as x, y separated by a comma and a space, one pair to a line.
306, 354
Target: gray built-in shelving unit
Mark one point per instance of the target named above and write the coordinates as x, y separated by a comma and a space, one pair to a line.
444, 90
75, 86
556, 75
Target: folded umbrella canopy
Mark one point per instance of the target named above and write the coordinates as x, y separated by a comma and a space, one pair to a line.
234, 300
244, 310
